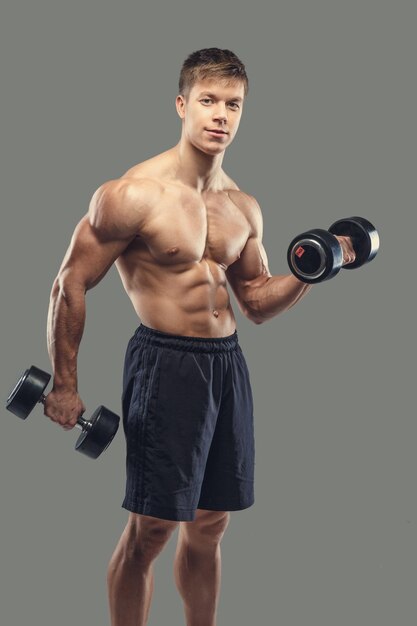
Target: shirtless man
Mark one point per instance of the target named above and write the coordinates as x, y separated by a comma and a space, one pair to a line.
178, 229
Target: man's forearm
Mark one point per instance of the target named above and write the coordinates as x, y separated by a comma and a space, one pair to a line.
276, 295
66, 319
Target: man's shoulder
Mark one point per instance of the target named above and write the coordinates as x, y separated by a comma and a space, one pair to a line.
248, 205
129, 191
238, 196
122, 206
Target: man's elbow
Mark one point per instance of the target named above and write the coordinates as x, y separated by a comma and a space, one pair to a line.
253, 301
256, 320
67, 284
253, 315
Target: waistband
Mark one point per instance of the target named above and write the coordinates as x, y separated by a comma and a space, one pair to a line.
149, 336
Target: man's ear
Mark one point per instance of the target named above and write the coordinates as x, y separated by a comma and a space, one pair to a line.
180, 105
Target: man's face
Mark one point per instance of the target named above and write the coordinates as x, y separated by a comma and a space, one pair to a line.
211, 106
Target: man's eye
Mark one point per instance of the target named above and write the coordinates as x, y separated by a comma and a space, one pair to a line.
206, 100
234, 104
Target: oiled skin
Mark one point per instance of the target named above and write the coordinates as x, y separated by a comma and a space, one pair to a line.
174, 271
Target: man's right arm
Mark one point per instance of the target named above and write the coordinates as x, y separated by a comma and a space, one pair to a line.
116, 212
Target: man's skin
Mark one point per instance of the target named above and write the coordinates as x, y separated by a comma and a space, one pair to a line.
179, 230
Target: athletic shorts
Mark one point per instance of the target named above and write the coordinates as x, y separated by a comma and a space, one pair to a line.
189, 427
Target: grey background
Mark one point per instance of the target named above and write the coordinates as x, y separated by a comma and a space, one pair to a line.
328, 131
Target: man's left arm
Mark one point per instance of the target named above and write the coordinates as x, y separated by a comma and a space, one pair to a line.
260, 295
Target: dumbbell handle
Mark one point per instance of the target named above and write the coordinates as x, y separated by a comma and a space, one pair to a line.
82, 424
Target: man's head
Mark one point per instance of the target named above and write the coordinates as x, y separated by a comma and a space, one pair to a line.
212, 87
214, 64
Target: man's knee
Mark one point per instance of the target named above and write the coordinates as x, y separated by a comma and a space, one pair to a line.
146, 536
208, 527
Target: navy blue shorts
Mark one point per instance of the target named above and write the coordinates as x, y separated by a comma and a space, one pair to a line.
188, 422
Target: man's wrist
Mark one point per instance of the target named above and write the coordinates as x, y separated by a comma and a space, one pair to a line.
62, 383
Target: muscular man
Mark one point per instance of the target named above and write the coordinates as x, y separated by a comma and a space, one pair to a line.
178, 229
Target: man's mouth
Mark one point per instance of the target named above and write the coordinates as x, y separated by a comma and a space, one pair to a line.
217, 131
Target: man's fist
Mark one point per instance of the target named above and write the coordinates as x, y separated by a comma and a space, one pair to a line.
349, 255
64, 406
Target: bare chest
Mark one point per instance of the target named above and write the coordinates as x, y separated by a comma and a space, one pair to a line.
215, 229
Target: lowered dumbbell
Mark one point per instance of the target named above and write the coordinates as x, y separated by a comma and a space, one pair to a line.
97, 433
316, 255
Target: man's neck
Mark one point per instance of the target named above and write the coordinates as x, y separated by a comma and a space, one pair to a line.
198, 169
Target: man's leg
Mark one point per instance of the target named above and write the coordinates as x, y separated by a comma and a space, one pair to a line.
130, 573
197, 565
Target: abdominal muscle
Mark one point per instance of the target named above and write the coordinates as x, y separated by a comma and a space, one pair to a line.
189, 299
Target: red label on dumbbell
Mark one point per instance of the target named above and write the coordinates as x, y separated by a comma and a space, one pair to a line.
300, 251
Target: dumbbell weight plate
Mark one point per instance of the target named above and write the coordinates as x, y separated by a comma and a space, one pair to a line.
28, 391
365, 239
315, 256
99, 434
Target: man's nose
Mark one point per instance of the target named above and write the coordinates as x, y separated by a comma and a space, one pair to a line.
220, 113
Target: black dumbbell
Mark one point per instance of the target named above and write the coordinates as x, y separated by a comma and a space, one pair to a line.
97, 433
316, 255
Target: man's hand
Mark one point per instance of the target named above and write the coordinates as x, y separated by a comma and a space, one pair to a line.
64, 406
349, 254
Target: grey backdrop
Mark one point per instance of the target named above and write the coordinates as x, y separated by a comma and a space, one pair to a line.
328, 131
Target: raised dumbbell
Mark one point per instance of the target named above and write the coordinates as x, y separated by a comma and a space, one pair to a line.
97, 433
316, 255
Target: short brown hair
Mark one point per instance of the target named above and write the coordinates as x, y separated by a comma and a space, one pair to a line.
211, 63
